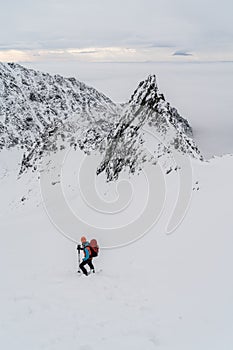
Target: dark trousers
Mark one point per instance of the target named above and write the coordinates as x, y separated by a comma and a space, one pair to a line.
87, 262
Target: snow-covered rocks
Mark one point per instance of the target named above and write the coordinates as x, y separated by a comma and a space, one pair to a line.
40, 113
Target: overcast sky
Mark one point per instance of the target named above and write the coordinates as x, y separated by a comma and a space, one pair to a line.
78, 38
122, 30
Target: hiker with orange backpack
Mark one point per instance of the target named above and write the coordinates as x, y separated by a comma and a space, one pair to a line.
90, 251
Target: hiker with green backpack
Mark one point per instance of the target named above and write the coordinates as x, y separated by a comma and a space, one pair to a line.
90, 250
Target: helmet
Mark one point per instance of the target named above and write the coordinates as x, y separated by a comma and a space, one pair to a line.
83, 239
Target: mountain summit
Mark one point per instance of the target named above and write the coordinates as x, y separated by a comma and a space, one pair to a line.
147, 112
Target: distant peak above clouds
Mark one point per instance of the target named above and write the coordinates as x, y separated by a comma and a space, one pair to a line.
182, 53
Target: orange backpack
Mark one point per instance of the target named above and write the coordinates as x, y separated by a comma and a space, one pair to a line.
94, 248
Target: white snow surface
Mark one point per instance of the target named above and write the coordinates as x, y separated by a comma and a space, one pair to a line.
170, 292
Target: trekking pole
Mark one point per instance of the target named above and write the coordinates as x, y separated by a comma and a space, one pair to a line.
78, 260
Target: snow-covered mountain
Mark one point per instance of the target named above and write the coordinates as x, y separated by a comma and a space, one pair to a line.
41, 113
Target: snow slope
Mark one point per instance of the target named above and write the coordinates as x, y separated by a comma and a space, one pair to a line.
163, 291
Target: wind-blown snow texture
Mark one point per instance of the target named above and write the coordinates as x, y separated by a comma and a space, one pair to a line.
41, 113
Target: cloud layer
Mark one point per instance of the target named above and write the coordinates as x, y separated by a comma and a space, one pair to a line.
123, 30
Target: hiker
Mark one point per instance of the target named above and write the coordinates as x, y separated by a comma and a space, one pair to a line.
90, 250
